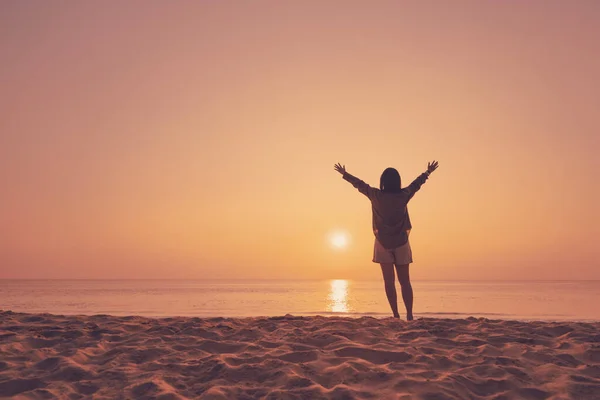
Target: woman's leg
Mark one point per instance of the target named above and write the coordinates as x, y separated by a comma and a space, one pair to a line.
407, 292
390, 287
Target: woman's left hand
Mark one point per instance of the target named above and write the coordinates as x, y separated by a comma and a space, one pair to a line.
340, 168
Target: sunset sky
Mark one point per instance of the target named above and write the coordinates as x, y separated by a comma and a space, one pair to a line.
196, 139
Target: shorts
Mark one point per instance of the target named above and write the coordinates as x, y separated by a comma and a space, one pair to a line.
399, 256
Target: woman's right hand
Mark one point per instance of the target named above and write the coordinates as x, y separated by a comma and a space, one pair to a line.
432, 166
340, 168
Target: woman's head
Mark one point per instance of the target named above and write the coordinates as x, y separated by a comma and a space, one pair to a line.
390, 181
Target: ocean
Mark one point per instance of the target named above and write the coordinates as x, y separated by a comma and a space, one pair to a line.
518, 300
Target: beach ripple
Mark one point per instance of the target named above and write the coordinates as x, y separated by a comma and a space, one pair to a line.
288, 357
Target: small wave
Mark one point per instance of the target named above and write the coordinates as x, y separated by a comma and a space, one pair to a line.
387, 313
346, 313
459, 313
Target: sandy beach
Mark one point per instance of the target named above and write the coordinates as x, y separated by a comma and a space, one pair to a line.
45, 356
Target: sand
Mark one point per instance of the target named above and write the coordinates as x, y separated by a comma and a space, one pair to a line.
46, 356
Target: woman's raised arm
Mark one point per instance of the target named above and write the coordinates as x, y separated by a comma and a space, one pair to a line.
417, 183
357, 183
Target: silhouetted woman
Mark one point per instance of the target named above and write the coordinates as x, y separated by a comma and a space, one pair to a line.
391, 226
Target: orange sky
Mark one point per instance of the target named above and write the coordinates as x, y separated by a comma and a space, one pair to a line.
152, 139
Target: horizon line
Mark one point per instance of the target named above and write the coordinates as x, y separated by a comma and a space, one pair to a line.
293, 279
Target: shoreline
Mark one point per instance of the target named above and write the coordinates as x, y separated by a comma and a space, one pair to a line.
295, 357
330, 314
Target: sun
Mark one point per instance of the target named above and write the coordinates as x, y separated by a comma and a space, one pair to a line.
339, 239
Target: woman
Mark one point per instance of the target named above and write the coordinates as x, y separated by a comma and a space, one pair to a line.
391, 226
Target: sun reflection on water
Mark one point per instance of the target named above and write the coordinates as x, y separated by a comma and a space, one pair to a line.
338, 296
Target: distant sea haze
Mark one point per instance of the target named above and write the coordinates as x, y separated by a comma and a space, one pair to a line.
521, 300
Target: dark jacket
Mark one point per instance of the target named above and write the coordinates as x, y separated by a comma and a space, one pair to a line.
391, 222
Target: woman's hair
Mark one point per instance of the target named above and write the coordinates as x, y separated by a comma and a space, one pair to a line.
390, 181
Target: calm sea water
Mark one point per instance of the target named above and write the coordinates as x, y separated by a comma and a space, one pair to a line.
562, 300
